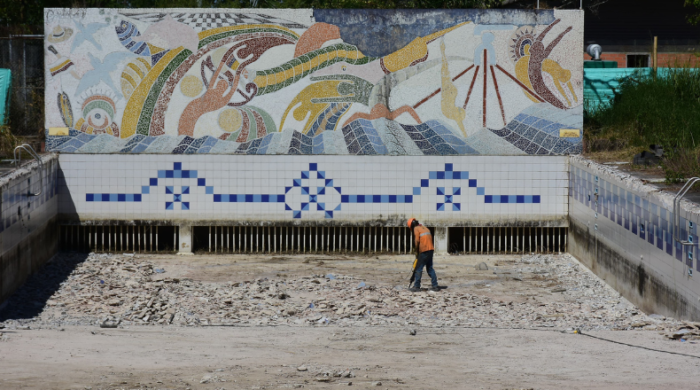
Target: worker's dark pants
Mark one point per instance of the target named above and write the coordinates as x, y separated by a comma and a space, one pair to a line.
425, 259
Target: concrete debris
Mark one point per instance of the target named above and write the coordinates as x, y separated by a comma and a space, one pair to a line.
412, 332
302, 368
376, 383
100, 289
482, 266
110, 324
687, 331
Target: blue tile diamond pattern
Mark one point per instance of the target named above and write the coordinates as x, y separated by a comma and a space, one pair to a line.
314, 192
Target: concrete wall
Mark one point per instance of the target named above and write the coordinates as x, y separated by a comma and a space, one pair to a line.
333, 82
625, 235
28, 224
314, 190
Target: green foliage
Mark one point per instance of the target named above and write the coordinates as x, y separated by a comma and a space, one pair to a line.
8, 141
683, 164
648, 110
410, 4
693, 18
28, 15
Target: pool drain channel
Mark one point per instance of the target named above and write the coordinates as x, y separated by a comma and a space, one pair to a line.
311, 239
119, 238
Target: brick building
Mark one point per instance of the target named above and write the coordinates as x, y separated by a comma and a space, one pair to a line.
626, 29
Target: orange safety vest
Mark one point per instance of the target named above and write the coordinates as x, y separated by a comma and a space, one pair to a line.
423, 239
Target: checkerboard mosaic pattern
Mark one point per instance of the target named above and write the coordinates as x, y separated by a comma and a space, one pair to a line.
201, 21
308, 188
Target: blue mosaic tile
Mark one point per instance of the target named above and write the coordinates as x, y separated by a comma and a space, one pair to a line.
530, 133
560, 146
513, 125
542, 124
651, 223
315, 195
530, 120
539, 138
183, 145
522, 144
512, 138
520, 128
133, 141
548, 142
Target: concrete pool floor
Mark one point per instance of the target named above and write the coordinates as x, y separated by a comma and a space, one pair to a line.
289, 357
247, 321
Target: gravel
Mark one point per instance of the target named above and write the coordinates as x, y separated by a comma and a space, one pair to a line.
129, 290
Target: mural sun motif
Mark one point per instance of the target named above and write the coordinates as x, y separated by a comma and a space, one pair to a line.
275, 82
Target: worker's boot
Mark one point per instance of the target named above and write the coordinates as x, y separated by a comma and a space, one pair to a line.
414, 289
435, 288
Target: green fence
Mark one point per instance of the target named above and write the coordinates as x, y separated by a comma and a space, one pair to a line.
5, 82
599, 85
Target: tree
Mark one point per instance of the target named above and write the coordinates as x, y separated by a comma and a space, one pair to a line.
27, 16
694, 18
591, 5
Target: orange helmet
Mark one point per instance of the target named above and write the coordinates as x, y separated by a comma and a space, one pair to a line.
410, 221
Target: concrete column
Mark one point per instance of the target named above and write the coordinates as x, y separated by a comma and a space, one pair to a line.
185, 239
440, 240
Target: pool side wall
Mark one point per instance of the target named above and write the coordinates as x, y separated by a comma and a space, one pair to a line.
28, 224
622, 229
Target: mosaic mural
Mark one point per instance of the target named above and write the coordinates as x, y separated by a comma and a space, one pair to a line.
338, 82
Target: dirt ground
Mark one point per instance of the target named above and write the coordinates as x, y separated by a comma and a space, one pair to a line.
508, 327
269, 358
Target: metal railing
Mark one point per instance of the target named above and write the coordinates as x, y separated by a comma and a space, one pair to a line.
677, 210
18, 162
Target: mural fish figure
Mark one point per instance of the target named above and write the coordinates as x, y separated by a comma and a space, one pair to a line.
322, 82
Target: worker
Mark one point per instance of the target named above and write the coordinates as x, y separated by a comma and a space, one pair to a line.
423, 240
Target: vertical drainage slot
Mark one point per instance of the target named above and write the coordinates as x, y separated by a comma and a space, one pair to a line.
120, 238
308, 239
507, 240
301, 239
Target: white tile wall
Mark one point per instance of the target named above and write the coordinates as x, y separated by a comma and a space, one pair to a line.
626, 238
21, 214
527, 176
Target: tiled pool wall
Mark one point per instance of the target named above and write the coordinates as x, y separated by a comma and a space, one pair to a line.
314, 190
28, 224
623, 230
624, 234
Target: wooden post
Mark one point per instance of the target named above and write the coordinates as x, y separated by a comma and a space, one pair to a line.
656, 41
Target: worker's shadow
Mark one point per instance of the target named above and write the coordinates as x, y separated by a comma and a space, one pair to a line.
31, 298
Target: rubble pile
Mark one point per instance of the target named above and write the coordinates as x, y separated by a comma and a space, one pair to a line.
131, 290
687, 331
